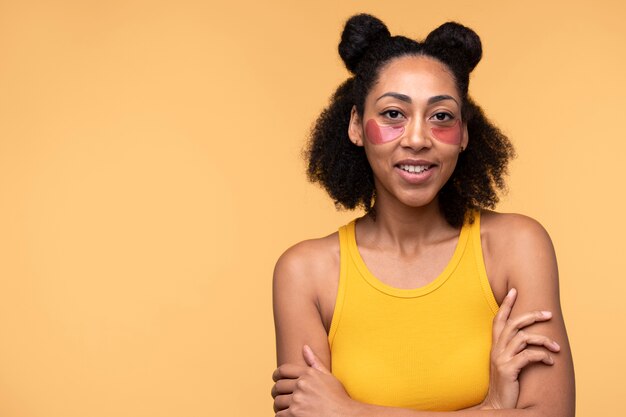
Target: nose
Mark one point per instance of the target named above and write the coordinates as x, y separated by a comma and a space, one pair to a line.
415, 136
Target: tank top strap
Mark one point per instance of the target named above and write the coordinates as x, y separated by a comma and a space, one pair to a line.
344, 266
476, 243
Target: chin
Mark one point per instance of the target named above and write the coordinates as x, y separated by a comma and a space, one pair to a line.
417, 201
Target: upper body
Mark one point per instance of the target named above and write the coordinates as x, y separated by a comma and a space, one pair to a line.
517, 253
404, 135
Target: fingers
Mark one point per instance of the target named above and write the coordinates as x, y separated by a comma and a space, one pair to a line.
283, 413
282, 402
287, 378
508, 369
503, 313
526, 357
523, 339
283, 386
288, 371
312, 360
513, 326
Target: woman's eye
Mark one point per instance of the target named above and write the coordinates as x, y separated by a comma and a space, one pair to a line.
392, 114
442, 117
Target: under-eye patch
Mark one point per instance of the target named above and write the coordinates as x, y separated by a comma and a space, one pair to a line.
378, 134
448, 134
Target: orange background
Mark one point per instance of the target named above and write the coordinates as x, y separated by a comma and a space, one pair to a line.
150, 175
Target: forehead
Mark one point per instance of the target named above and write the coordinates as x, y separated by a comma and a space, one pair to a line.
415, 76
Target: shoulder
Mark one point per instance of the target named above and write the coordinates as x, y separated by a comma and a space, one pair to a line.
517, 250
513, 233
308, 263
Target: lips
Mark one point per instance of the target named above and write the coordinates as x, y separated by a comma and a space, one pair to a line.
415, 171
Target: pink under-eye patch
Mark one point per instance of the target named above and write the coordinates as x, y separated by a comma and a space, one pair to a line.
378, 134
449, 134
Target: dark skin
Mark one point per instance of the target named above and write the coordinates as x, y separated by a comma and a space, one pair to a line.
407, 246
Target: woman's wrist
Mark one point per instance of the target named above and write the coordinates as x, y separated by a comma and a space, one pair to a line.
356, 409
490, 404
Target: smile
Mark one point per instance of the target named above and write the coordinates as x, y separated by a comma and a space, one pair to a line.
414, 168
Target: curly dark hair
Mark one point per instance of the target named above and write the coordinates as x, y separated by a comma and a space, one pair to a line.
342, 168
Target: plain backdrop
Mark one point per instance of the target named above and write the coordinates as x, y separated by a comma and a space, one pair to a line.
151, 175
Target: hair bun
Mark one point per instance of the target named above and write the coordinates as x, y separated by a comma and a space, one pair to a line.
456, 41
360, 32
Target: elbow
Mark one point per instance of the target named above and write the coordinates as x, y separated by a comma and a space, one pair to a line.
550, 410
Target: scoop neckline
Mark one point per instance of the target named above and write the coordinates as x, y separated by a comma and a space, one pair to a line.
406, 292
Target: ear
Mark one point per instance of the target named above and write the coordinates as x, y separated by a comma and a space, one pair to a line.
355, 129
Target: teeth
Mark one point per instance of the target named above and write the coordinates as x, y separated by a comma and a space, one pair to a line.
414, 168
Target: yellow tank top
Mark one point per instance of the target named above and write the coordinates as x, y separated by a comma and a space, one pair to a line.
425, 348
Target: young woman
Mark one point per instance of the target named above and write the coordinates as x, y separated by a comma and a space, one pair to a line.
429, 302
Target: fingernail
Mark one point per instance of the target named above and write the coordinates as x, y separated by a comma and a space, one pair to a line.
556, 345
546, 313
511, 291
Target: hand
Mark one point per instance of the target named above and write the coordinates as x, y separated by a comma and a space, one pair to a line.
285, 378
509, 354
316, 392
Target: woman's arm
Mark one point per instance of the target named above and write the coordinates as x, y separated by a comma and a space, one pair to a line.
521, 251
305, 280
302, 273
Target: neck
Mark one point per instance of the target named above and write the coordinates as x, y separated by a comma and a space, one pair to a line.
407, 228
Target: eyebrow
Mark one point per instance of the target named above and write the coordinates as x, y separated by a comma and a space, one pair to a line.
437, 99
401, 97
407, 99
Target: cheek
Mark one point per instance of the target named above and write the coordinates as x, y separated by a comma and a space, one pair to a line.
377, 134
450, 135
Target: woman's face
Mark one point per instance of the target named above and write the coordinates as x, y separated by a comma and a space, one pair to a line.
411, 129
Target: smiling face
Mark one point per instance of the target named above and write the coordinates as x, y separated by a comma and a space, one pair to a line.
411, 129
